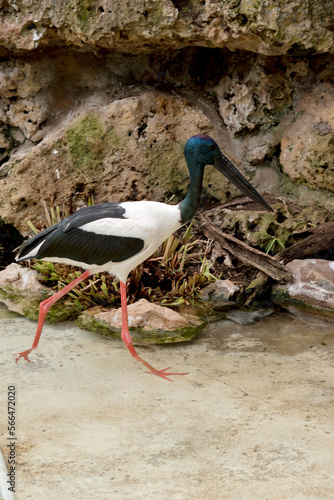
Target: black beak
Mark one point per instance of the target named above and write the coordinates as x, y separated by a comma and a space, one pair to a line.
224, 166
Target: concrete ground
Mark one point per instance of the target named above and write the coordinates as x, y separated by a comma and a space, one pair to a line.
253, 419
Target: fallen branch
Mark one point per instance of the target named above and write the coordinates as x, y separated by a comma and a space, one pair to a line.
321, 239
261, 261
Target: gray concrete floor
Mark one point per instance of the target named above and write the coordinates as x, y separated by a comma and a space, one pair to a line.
253, 419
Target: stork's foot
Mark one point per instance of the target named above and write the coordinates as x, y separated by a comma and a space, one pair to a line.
163, 373
24, 355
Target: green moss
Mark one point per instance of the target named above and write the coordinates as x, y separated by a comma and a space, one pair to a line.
156, 17
302, 193
280, 228
115, 142
190, 10
257, 282
85, 139
8, 295
29, 305
258, 228
167, 166
85, 10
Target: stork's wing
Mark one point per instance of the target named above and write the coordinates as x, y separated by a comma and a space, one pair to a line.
67, 240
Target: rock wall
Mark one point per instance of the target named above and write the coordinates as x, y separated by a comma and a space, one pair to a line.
264, 26
100, 97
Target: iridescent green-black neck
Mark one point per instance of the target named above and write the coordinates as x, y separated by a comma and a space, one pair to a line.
198, 152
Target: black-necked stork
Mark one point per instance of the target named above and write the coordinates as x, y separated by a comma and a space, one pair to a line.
116, 237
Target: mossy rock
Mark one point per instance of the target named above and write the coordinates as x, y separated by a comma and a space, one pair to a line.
259, 229
282, 298
88, 321
27, 303
85, 141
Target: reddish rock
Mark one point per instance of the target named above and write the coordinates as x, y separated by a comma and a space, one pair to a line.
148, 323
145, 315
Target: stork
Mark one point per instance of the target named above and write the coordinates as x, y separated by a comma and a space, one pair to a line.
117, 237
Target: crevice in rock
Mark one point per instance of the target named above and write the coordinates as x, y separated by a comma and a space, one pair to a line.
4, 159
10, 238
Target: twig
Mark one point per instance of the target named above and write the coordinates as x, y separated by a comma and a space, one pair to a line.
245, 253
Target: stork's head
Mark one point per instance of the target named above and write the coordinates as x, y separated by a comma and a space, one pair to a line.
201, 150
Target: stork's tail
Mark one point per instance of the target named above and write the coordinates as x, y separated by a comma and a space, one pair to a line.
30, 248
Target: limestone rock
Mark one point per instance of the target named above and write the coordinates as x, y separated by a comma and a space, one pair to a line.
20, 277
21, 291
219, 291
312, 287
259, 228
135, 144
270, 27
148, 323
254, 99
112, 90
307, 154
289, 25
145, 315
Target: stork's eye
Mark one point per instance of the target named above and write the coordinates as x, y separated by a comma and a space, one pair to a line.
212, 147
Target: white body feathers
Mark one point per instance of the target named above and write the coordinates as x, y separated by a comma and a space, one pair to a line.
151, 221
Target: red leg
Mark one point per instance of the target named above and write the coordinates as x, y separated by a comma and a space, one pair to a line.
43, 309
127, 339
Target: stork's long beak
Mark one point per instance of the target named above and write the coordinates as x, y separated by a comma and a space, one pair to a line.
224, 166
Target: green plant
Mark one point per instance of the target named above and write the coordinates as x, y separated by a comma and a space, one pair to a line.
179, 271
273, 244
52, 215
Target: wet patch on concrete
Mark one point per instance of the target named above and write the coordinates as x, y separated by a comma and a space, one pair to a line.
281, 333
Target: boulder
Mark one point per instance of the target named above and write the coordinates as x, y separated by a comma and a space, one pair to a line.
311, 289
148, 323
22, 292
254, 99
307, 147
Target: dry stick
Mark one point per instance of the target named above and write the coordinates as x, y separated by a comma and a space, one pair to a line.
240, 201
321, 239
265, 263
